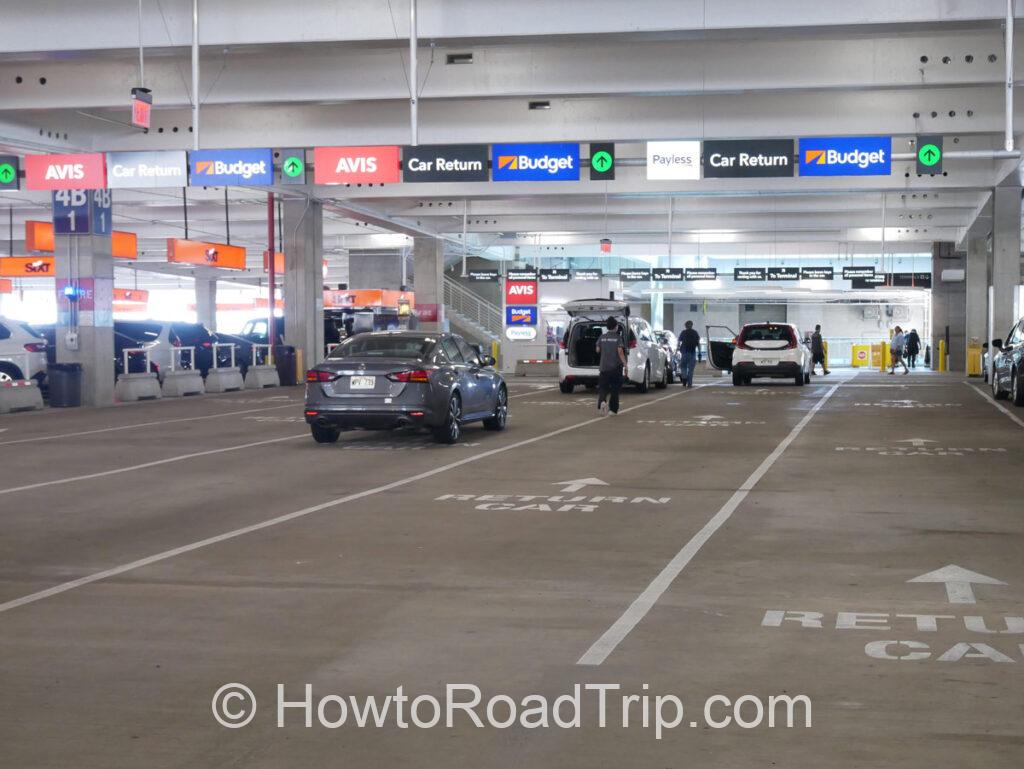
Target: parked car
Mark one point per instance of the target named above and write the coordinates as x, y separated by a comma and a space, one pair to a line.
122, 342
394, 379
578, 356
1008, 365
22, 352
773, 350
161, 338
670, 344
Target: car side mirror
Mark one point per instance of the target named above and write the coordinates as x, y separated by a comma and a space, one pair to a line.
487, 361
997, 343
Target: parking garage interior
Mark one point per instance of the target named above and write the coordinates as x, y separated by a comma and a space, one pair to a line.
306, 456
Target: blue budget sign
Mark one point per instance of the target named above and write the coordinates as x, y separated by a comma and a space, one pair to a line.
521, 316
241, 168
846, 156
535, 162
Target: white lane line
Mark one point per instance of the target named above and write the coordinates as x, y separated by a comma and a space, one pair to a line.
532, 392
996, 403
643, 603
144, 465
293, 404
115, 571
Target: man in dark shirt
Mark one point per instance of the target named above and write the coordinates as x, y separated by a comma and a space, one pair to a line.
818, 350
613, 357
689, 346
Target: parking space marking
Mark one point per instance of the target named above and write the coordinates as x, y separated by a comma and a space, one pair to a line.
644, 602
145, 465
183, 549
293, 404
995, 403
532, 392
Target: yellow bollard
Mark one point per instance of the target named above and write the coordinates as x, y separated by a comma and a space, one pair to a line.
942, 355
974, 360
495, 351
825, 345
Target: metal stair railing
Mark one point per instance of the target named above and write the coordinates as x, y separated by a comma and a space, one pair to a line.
472, 307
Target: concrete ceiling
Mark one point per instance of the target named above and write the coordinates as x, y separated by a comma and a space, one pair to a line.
327, 73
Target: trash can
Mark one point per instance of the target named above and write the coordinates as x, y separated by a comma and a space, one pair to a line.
65, 384
284, 361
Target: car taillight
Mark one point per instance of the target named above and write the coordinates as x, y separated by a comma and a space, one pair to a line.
36, 347
632, 344
740, 345
315, 375
562, 345
207, 345
410, 376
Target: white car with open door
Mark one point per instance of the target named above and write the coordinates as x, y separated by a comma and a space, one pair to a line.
647, 363
771, 350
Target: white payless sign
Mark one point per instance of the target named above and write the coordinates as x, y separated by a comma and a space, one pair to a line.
147, 169
673, 160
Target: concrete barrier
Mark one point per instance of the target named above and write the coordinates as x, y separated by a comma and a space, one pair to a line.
20, 395
224, 379
137, 387
259, 377
536, 368
182, 382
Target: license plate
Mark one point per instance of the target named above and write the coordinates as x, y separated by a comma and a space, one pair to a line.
362, 383
765, 362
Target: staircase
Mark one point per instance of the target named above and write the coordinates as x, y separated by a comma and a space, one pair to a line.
470, 316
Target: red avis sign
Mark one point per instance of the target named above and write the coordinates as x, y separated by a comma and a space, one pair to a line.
66, 172
521, 292
356, 165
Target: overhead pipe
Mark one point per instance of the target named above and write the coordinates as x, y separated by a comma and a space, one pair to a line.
1008, 62
195, 74
271, 281
671, 209
413, 86
465, 221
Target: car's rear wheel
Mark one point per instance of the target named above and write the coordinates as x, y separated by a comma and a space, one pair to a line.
807, 378
9, 372
997, 392
664, 379
1017, 391
500, 418
798, 380
671, 374
324, 434
645, 385
451, 430
738, 380
566, 387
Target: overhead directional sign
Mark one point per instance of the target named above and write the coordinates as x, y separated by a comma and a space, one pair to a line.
529, 273
483, 276
817, 273
147, 169
554, 276
9, 165
783, 273
293, 166
86, 171
240, 168
957, 581
535, 162
587, 274
356, 165
748, 274
668, 273
929, 154
849, 273
634, 274
846, 156
71, 212
673, 160
520, 292
701, 273
728, 159
445, 163
602, 161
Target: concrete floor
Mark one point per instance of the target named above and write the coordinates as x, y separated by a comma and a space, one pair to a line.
151, 553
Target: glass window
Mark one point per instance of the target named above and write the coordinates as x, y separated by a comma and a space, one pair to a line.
373, 346
468, 353
5, 333
452, 350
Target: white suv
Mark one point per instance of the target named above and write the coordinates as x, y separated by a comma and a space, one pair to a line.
22, 352
773, 350
578, 356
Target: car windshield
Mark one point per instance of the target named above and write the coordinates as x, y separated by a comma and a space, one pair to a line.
372, 346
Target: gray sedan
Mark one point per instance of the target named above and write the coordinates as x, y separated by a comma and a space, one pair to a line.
389, 379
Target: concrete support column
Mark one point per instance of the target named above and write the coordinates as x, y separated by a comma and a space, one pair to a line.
1005, 258
657, 311
669, 316
977, 291
428, 282
303, 294
85, 328
206, 302
949, 313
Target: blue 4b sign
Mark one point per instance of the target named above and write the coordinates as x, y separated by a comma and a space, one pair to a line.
82, 212
846, 156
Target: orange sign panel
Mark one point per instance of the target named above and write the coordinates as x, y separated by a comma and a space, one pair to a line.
39, 236
368, 297
205, 254
27, 266
278, 262
124, 245
131, 295
6, 287
125, 307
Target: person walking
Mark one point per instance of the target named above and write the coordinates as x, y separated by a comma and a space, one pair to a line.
689, 349
896, 347
913, 347
612, 352
818, 351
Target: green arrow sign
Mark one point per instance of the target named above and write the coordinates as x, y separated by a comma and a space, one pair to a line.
929, 155
293, 166
602, 161
7, 173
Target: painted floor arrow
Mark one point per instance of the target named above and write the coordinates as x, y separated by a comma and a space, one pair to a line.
579, 483
958, 582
